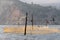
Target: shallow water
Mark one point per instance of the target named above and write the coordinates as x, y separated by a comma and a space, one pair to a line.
54, 36
10, 36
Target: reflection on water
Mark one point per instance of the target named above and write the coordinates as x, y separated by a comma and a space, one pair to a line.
9, 36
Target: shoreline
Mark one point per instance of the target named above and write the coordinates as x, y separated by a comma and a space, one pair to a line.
35, 30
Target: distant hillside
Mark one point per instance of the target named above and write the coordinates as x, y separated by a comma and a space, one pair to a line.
55, 5
13, 12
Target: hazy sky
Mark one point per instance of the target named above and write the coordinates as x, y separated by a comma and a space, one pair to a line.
42, 1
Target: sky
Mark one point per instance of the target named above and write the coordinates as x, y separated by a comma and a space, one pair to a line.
41, 1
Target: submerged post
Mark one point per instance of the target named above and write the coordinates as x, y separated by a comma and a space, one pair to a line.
25, 24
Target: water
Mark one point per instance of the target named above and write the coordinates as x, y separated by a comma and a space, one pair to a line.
54, 36
10, 36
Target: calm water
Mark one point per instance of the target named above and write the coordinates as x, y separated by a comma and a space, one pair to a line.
9, 36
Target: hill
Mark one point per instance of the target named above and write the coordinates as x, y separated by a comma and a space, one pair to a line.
12, 12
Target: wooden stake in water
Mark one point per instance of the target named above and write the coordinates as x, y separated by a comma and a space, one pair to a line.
53, 19
25, 24
32, 21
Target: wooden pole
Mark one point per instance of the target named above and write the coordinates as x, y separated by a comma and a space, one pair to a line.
25, 24
32, 21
